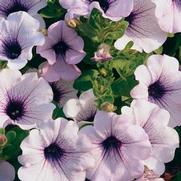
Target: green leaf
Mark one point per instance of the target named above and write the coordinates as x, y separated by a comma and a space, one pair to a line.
53, 10
58, 112
122, 87
84, 82
11, 136
2, 131
177, 177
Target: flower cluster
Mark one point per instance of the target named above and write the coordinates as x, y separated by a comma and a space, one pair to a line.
90, 90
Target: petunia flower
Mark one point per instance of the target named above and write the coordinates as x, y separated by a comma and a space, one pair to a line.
160, 85
22, 101
63, 91
63, 49
168, 13
19, 34
31, 7
81, 110
7, 171
154, 121
118, 147
143, 28
59, 70
111, 9
55, 152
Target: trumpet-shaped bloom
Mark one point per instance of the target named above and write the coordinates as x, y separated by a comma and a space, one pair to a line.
7, 171
31, 7
168, 13
143, 28
82, 109
55, 152
118, 147
111, 9
22, 101
63, 91
19, 34
154, 121
160, 85
63, 49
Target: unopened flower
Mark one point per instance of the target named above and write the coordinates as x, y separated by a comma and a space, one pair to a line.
63, 49
15, 45
82, 109
154, 121
31, 7
55, 152
7, 171
118, 147
111, 9
168, 13
160, 85
3, 140
149, 175
108, 107
143, 28
73, 22
102, 54
22, 101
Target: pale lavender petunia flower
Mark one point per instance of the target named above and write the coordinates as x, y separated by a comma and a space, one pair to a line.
19, 34
118, 147
111, 9
63, 91
63, 49
55, 152
161, 84
168, 13
32, 7
154, 121
143, 28
7, 171
81, 110
22, 101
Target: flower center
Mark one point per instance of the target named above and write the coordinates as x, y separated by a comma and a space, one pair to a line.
60, 48
156, 90
178, 3
111, 144
91, 117
15, 109
104, 4
57, 95
130, 18
17, 6
53, 152
12, 49
87, 115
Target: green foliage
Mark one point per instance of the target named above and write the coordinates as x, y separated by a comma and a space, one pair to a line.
111, 81
15, 135
52, 10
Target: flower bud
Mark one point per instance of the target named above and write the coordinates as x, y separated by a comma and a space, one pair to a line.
3, 140
72, 23
108, 107
103, 53
44, 31
103, 72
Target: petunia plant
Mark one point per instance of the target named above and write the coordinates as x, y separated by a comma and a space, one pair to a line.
90, 90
